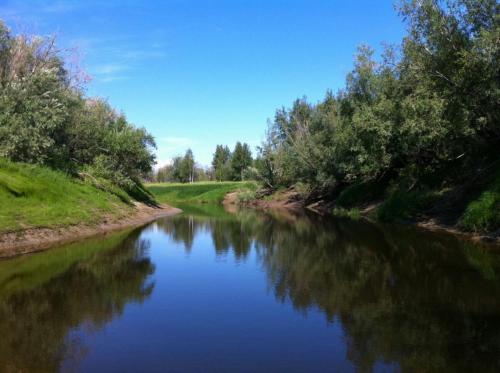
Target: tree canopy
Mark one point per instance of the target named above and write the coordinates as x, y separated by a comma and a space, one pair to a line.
45, 118
427, 105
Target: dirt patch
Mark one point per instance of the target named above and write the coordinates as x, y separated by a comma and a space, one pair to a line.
287, 199
433, 225
38, 239
230, 199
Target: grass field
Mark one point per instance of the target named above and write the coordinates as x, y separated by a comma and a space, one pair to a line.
33, 196
200, 192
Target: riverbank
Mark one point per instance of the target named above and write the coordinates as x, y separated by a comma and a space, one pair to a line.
432, 210
41, 207
198, 192
39, 239
437, 218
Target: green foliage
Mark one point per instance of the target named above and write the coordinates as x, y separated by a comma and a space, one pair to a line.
35, 196
409, 111
429, 105
45, 118
221, 163
483, 214
402, 204
358, 194
241, 159
203, 192
182, 169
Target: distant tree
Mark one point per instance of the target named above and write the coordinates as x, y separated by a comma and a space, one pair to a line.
201, 173
186, 168
165, 174
240, 160
220, 162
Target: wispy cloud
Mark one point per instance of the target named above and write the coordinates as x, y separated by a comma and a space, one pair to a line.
112, 78
110, 72
110, 68
107, 57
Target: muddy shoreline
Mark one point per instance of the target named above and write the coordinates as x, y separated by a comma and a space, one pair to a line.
40, 239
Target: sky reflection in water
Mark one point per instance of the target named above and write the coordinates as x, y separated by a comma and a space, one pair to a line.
210, 290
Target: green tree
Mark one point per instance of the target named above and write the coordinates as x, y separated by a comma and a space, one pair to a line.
45, 118
186, 167
220, 162
240, 160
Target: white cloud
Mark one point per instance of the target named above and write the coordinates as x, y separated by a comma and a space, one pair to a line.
109, 68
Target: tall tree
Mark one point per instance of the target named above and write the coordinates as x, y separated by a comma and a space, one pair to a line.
186, 172
241, 160
220, 162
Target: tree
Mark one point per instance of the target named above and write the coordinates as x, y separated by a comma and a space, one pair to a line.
424, 108
186, 167
240, 160
45, 118
220, 162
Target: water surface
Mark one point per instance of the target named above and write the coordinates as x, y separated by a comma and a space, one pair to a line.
210, 290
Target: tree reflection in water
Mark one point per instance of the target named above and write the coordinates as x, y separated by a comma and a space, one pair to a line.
417, 300
423, 300
45, 296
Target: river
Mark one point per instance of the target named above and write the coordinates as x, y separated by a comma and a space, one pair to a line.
214, 291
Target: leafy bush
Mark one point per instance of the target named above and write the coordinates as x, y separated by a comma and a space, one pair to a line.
402, 204
424, 108
483, 214
46, 119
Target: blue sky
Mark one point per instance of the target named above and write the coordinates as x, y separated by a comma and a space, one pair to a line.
203, 72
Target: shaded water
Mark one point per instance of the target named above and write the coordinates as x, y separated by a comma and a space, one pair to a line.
210, 290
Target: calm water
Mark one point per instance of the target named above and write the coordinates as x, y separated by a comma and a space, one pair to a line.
210, 290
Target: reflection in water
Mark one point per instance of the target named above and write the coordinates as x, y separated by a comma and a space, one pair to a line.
96, 281
425, 301
409, 299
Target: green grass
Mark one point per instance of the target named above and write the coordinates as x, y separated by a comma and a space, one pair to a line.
483, 214
200, 192
34, 196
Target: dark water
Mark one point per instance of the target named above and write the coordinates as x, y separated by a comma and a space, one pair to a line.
213, 291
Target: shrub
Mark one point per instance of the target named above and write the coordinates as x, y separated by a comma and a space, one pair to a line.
483, 214
402, 204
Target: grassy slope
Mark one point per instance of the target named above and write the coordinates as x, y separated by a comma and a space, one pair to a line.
201, 192
33, 196
483, 213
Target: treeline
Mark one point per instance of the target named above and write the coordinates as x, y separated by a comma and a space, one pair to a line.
45, 118
425, 112
183, 169
226, 166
